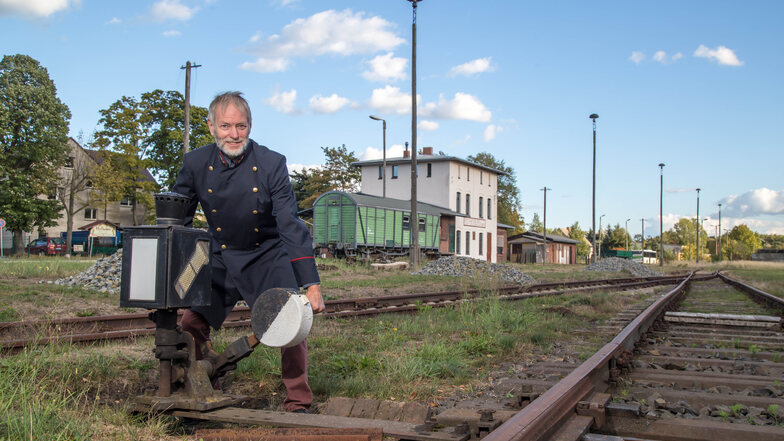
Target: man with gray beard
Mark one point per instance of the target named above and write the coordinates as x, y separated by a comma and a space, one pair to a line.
258, 242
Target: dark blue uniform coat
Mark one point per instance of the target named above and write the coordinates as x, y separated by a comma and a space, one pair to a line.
258, 242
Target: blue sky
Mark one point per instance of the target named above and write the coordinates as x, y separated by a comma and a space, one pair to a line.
695, 85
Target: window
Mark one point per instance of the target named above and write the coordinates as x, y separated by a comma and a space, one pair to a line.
457, 242
468, 243
394, 172
69, 162
468, 204
126, 202
422, 226
457, 204
380, 172
429, 170
481, 176
406, 223
458, 172
480, 243
88, 183
481, 205
488, 209
91, 213
468, 174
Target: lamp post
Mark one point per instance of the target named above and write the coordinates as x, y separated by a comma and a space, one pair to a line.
600, 235
626, 230
384, 156
719, 251
697, 226
414, 213
642, 236
661, 214
544, 225
593, 117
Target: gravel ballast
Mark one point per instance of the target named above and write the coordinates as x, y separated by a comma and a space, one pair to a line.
618, 264
461, 266
104, 276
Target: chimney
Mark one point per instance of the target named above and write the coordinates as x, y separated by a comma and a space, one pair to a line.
406, 154
427, 150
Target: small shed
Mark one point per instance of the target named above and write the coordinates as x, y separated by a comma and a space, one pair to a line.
529, 247
502, 233
103, 237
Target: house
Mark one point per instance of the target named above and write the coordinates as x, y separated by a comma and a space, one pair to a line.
78, 166
529, 247
457, 185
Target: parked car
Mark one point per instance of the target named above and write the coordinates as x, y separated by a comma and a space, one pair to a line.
47, 246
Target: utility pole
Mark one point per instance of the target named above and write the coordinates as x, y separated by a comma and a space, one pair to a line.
626, 232
414, 214
642, 237
187, 137
661, 213
544, 225
719, 252
593, 117
697, 226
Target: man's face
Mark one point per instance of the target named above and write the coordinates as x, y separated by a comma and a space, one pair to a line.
231, 130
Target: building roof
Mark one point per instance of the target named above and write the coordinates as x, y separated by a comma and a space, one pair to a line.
530, 236
100, 222
97, 156
508, 227
427, 158
395, 204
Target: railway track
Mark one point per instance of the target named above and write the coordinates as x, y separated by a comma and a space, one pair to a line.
15, 335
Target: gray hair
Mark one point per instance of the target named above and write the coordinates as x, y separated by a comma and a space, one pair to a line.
226, 98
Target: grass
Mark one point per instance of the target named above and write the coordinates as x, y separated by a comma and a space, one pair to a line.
42, 267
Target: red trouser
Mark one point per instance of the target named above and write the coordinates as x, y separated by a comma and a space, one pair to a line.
294, 362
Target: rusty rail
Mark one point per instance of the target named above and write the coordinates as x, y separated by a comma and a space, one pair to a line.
756, 294
545, 414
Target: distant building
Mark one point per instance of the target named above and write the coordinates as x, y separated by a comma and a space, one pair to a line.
529, 247
456, 184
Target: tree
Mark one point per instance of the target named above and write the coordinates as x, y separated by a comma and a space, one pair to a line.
746, 242
579, 235
336, 174
126, 129
34, 145
685, 233
508, 203
614, 238
164, 114
536, 224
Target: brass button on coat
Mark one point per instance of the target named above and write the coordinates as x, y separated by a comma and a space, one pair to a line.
255, 168
223, 247
257, 244
214, 210
210, 168
218, 229
256, 230
255, 211
209, 190
255, 190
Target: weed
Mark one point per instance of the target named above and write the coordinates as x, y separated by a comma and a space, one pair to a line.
724, 415
776, 357
736, 409
754, 349
86, 313
8, 314
736, 343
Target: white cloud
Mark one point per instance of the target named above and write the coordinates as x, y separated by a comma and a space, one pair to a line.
172, 33
761, 201
284, 102
327, 104
428, 125
492, 130
113, 21
255, 37
662, 57
330, 33
266, 65
722, 55
172, 10
34, 8
462, 106
637, 57
394, 151
284, 3
472, 67
391, 100
462, 141
386, 68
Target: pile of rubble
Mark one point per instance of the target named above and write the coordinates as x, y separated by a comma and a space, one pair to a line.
617, 264
104, 276
461, 266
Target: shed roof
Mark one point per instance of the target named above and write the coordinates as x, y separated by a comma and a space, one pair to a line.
530, 236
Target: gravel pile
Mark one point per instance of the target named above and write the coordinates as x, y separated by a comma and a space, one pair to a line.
104, 276
618, 264
461, 266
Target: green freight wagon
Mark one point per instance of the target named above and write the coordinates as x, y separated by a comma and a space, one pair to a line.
354, 224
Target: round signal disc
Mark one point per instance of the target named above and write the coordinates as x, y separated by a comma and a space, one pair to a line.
281, 317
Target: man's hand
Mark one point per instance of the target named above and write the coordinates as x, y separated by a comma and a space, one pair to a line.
313, 294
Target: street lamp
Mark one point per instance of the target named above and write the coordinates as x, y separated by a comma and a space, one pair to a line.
600, 234
544, 225
626, 230
384, 156
697, 225
661, 214
642, 237
719, 252
414, 212
593, 117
